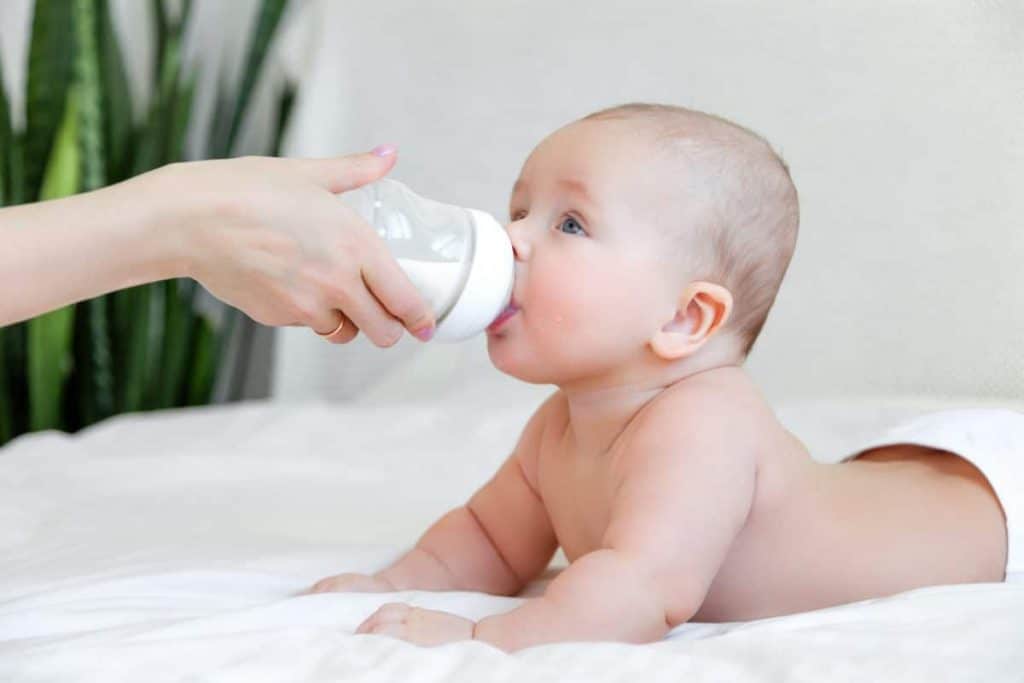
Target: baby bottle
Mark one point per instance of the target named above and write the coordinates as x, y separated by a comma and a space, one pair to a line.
460, 259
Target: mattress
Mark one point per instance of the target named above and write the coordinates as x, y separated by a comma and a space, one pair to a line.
174, 546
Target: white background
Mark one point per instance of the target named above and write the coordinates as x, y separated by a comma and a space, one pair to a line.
900, 121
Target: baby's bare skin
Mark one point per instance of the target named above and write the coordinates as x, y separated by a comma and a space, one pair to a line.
792, 535
815, 534
657, 466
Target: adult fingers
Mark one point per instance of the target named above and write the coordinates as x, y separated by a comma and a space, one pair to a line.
396, 293
342, 331
340, 174
366, 313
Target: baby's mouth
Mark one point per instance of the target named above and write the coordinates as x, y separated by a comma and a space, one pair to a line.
509, 311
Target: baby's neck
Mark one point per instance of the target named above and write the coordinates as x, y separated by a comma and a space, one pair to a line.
601, 409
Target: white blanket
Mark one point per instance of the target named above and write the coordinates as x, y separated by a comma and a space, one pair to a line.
172, 547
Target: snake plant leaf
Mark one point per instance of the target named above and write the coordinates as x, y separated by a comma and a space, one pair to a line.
86, 71
15, 353
284, 115
186, 14
181, 115
117, 100
128, 309
219, 123
49, 335
154, 144
93, 363
161, 27
16, 170
49, 364
179, 327
155, 338
6, 141
11, 169
130, 343
6, 144
269, 18
6, 397
203, 362
49, 76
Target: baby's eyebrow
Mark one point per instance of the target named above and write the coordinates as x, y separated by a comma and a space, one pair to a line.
577, 187
573, 185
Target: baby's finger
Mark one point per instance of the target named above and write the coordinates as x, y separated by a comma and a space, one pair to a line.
324, 585
370, 624
394, 610
395, 629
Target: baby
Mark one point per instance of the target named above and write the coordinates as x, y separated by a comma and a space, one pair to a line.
650, 242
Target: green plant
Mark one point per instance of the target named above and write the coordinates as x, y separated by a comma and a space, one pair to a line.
150, 346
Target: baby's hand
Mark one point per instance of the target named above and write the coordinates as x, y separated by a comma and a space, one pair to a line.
417, 625
351, 583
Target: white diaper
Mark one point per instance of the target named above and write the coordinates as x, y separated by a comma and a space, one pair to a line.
990, 439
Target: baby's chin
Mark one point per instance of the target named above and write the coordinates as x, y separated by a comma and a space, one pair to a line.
509, 357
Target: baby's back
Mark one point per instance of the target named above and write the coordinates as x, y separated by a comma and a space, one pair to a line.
894, 519
814, 535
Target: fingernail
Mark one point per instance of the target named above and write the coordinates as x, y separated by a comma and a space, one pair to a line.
426, 334
384, 150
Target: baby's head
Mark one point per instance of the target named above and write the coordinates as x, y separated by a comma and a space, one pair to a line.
646, 237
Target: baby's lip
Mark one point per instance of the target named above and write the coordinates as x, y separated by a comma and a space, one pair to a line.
507, 313
513, 307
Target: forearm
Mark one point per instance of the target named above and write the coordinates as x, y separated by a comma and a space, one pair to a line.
601, 596
59, 252
454, 554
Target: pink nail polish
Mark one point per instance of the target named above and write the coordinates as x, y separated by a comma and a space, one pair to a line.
384, 150
426, 334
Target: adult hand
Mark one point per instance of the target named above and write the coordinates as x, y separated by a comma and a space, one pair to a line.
266, 235
269, 237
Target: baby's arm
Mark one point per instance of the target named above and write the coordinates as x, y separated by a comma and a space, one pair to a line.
684, 498
495, 543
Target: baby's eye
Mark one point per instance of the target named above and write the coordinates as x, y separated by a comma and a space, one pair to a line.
517, 215
571, 226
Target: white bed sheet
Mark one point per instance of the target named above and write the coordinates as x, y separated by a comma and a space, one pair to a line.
171, 547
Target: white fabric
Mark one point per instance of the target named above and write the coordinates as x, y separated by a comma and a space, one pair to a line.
991, 440
900, 122
170, 547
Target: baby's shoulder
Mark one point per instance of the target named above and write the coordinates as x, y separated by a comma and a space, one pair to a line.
703, 414
549, 420
552, 414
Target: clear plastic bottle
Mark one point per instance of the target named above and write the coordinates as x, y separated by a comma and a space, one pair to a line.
460, 259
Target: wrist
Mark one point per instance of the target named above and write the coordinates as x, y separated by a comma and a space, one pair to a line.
383, 577
166, 221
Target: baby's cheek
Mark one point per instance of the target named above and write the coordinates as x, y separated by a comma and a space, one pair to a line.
560, 308
570, 325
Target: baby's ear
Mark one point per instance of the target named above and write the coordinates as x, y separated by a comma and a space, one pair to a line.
703, 309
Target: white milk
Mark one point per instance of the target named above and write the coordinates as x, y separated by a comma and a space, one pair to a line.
438, 281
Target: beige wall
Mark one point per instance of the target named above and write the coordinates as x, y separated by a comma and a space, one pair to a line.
900, 120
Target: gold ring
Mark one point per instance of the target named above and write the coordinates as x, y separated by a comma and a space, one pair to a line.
336, 330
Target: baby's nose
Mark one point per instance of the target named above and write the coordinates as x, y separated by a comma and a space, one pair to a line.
520, 246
